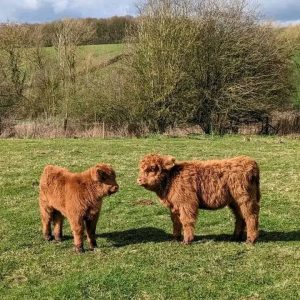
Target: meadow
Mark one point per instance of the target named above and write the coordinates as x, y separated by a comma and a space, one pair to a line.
102, 51
105, 50
137, 258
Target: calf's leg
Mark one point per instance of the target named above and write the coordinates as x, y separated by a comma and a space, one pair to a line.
188, 217
177, 226
91, 231
77, 227
240, 224
46, 217
58, 220
250, 211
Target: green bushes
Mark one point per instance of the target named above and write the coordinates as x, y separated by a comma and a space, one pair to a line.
204, 63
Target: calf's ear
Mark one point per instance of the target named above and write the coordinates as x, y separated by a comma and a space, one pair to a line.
102, 175
168, 162
94, 174
98, 174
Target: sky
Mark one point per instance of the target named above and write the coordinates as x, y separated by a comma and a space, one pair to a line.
33, 11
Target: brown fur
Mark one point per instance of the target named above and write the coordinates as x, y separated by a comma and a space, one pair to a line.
186, 186
76, 196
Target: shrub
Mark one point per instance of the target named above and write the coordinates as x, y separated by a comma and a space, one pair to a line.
205, 62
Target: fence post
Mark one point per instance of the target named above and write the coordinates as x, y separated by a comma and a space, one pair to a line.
66, 122
103, 130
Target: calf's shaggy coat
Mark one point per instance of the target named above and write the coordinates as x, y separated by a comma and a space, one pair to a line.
76, 196
184, 187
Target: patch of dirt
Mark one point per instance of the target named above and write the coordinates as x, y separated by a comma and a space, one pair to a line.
144, 202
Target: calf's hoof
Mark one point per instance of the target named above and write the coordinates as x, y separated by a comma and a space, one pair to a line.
251, 240
186, 242
79, 249
92, 245
48, 237
58, 239
93, 248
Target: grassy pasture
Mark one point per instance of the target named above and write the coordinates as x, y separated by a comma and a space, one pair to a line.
136, 258
104, 51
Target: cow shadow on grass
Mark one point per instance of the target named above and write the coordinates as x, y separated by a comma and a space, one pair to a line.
264, 236
277, 236
155, 235
136, 236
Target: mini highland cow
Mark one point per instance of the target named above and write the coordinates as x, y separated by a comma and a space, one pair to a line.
184, 187
76, 196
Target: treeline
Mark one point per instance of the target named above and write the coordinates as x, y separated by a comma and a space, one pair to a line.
211, 63
104, 31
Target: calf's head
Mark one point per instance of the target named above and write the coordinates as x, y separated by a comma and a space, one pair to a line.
153, 170
106, 177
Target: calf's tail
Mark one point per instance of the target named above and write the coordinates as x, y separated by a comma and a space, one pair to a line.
254, 178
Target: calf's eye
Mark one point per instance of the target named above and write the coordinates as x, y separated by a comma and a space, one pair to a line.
153, 169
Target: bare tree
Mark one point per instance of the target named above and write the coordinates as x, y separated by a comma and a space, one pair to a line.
68, 35
160, 47
12, 73
44, 93
242, 65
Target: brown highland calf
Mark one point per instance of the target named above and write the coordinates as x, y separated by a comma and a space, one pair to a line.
186, 186
76, 196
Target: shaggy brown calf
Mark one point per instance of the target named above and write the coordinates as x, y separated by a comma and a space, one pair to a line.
76, 196
186, 186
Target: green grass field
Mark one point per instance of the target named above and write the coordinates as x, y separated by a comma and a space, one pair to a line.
136, 258
104, 51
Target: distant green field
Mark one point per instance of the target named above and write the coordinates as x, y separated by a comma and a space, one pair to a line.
136, 258
103, 50
99, 51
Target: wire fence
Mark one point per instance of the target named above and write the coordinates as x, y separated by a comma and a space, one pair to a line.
280, 124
